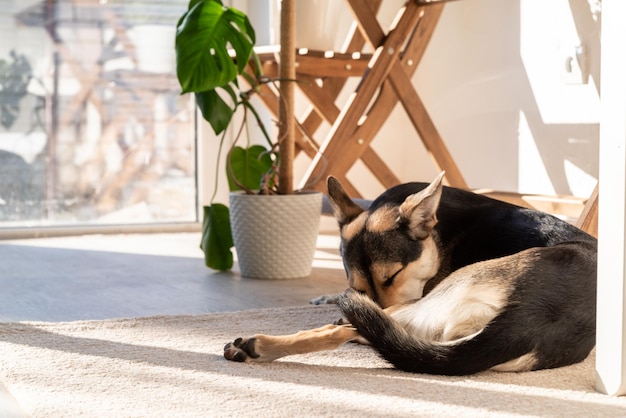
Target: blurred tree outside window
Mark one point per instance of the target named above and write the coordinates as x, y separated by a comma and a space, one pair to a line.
93, 129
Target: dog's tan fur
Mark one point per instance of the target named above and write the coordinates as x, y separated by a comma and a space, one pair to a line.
411, 280
445, 316
270, 348
459, 307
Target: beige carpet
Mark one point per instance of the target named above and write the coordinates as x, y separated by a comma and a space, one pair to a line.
173, 367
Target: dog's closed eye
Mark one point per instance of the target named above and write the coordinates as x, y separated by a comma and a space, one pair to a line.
391, 278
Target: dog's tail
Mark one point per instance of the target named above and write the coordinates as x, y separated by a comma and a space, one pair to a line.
409, 353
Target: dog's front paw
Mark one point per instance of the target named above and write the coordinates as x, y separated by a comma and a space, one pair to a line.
241, 350
325, 299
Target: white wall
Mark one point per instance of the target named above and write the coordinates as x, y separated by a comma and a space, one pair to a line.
493, 79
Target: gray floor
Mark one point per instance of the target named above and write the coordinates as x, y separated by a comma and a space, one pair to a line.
120, 276
113, 276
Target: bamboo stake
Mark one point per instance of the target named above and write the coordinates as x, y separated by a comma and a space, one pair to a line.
286, 122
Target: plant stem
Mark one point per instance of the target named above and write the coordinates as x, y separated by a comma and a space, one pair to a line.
286, 122
219, 153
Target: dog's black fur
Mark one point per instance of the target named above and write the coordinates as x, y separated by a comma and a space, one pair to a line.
472, 227
445, 281
550, 312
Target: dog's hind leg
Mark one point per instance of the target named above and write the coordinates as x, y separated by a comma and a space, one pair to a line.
265, 348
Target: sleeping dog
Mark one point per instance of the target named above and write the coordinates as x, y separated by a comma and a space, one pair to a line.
445, 281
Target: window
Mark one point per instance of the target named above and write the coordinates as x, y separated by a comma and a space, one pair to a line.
93, 129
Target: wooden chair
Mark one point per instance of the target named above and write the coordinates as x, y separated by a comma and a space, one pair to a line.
588, 219
385, 80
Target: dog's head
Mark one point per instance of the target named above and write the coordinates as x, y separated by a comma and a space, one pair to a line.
388, 250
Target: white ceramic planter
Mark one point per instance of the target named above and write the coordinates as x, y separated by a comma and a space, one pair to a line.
275, 236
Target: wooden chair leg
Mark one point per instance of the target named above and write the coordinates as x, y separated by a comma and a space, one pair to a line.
588, 219
350, 136
339, 152
400, 78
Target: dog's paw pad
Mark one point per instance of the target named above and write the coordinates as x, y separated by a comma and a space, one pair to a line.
240, 350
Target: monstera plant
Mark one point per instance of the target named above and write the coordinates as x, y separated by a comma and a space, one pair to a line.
214, 54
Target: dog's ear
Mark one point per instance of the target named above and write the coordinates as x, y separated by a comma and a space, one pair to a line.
420, 209
345, 209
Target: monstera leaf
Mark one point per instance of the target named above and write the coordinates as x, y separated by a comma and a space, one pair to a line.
213, 46
215, 110
217, 239
248, 165
204, 36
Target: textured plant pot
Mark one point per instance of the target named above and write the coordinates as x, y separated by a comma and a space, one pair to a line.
275, 236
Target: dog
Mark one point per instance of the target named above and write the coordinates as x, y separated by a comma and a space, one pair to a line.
445, 281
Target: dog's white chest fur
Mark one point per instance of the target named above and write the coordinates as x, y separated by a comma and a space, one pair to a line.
458, 308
